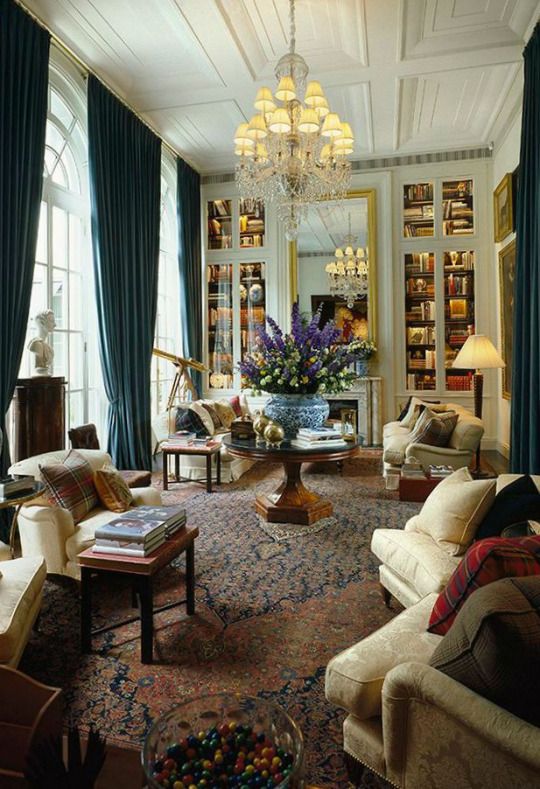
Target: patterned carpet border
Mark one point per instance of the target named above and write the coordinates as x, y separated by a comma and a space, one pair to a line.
269, 616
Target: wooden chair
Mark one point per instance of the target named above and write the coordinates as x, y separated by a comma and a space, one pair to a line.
85, 437
29, 713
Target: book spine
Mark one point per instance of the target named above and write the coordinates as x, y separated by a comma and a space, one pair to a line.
125, 551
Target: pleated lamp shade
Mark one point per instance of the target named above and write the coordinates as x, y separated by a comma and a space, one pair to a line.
478, 353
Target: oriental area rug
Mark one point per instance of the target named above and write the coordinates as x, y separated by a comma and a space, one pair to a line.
270, 613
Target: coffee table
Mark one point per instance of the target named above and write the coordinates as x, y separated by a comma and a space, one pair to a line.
140, 571
291, 502
207, 451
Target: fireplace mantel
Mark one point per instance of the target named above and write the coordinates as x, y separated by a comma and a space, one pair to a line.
366, 396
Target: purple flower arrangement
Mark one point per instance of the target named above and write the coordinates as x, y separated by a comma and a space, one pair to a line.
305, 361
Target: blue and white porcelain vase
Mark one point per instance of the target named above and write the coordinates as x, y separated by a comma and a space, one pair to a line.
293, 411
362, 368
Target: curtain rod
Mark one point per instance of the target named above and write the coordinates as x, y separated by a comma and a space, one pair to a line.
85, 70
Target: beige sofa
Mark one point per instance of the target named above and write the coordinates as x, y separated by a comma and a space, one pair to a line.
460, 451
21, 585
413, 564
49, 532
417, 727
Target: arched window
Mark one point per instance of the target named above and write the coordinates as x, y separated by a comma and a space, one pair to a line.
63, 279
168, 327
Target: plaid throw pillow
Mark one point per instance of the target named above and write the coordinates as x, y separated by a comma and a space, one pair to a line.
484, 562
70, 485
434, 430
187, 419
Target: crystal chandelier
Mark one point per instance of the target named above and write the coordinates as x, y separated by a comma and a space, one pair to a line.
293, 153
348, 274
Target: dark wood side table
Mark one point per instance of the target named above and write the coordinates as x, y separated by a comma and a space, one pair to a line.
39, 415
16, 501
140, 571
208, 451
291, 502
417, 488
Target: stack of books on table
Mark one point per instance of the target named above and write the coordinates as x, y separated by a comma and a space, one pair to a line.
413, 470
439, 472
11, 486
140, 531
181, 438
318, 438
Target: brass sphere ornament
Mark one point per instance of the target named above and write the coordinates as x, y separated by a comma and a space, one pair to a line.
274, 434
260, 422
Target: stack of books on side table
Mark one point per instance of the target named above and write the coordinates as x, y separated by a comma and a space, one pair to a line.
318, 438
140, 531
180, 438
413, 470
439, 472
11, 486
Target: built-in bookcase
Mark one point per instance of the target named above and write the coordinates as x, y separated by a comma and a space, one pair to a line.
438, 278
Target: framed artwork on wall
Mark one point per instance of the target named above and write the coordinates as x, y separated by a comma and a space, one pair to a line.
507, 266
503, 206
351, 321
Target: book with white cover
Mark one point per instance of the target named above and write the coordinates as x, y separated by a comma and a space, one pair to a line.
318, 433
135, 550
315, 445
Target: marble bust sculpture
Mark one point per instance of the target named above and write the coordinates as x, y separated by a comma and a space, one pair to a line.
43, 353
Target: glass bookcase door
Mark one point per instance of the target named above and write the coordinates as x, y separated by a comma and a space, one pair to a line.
459, 314
458, 208
252, 304
220, 326
418, 218
251, 224
420, 315
219, 215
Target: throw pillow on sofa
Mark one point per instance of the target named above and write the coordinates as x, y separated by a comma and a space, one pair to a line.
414, 402
434, 429
70, 485
209, 406
225, 412
517, 501
112, 489
493, 647
204, 416
485, 561
453, 510
187, 419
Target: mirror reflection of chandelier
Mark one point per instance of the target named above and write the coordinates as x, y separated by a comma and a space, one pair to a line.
348, 274
292, 153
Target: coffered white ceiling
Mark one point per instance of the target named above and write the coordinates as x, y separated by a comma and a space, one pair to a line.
410, 75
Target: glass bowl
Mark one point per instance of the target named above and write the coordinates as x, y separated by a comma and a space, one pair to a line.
204, 712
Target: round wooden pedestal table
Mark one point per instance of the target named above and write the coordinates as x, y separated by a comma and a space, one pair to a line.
291, 502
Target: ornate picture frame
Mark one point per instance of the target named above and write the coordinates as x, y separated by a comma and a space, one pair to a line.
503, 208
507, 267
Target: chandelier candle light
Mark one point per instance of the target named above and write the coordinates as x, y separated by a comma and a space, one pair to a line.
348, 274
293, 153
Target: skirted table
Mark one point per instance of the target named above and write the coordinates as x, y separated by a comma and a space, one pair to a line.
291, 502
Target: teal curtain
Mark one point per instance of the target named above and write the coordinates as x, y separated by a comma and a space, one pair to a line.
124, 167
525, 419
24, 71
188, 208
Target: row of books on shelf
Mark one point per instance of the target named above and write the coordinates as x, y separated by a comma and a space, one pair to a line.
457, 337
459, 285
418, 212
418, 192
459, 383
411, 231
455, 189
420, 360
219, 273
140, 531
457, 228
457, 209
458, 261
420, 335
420, 263
421, 383
421, 311
219, 208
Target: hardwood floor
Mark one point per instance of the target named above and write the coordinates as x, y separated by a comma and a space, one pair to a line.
498, 462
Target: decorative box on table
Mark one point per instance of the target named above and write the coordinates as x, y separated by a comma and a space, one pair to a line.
242, 428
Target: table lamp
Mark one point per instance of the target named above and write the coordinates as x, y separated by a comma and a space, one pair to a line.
477, 353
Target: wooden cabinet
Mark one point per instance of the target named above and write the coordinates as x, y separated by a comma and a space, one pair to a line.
39, 416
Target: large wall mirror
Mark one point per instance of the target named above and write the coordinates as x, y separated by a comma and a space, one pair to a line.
325, 229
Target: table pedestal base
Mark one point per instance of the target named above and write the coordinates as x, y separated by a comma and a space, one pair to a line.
292, 502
